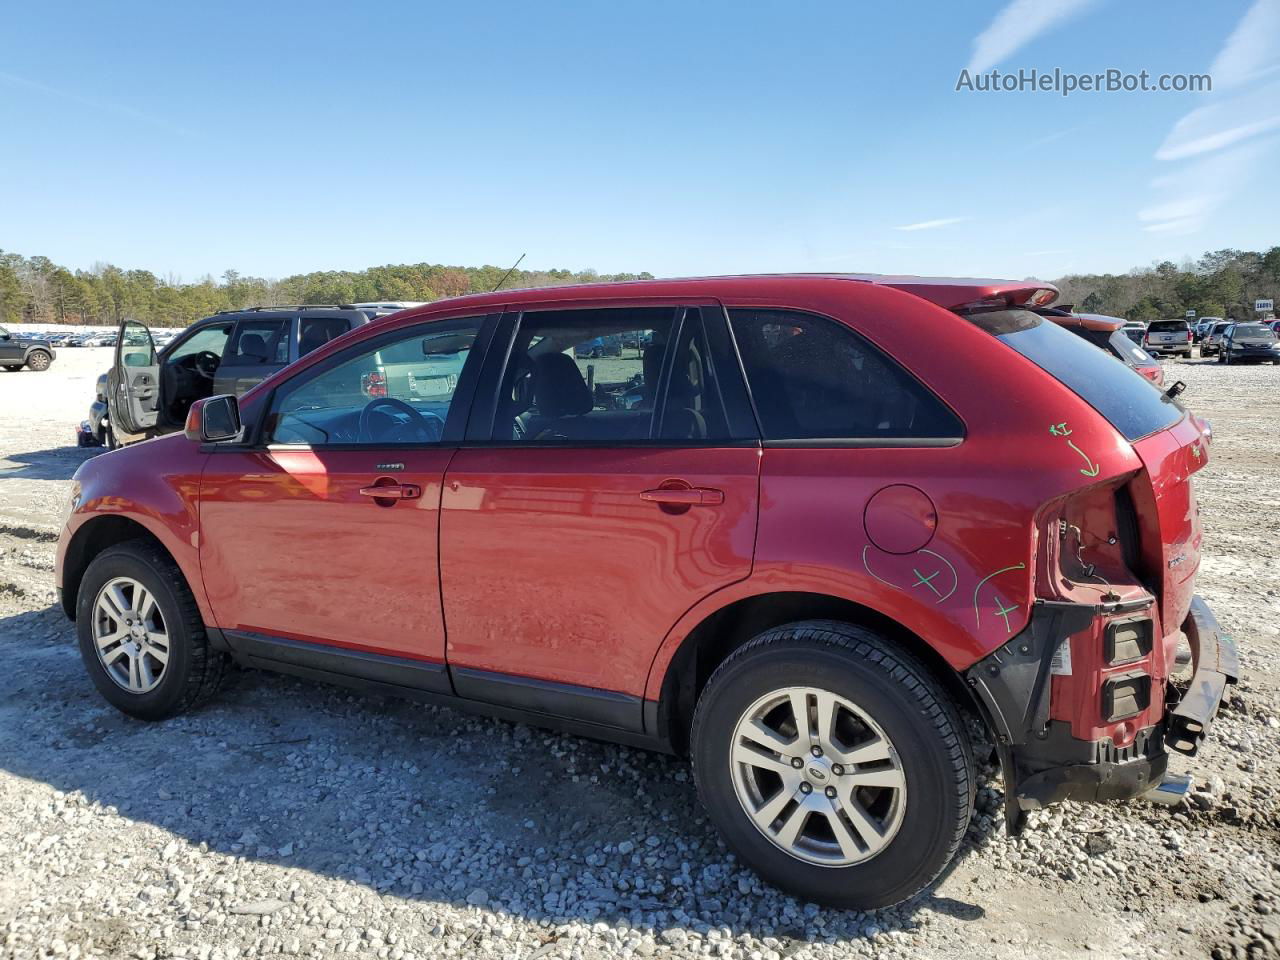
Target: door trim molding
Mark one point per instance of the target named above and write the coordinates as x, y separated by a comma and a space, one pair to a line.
601, 713
604, 707
316, 660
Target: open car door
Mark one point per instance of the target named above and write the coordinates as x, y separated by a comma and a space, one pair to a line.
136, 391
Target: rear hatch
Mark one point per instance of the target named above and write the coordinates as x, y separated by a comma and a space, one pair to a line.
1171, 549
1166, 438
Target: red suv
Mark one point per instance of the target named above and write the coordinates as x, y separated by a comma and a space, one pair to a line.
814, 531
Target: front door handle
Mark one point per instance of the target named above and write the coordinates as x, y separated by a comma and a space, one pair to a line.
392, 491
684, 496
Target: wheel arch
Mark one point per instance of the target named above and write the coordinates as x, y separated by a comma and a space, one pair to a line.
735, 623
101, 533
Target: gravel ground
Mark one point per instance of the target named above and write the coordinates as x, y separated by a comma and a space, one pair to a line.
290, 818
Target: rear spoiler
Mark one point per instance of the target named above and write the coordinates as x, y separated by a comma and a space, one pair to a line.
964, 294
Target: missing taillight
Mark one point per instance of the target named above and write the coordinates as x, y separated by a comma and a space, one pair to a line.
1125, 696
1127, 641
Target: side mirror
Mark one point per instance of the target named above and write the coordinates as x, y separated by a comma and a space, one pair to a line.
213, 419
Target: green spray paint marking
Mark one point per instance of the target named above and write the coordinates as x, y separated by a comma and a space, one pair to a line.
1062, 430
925, 580
977, 615
1004, 611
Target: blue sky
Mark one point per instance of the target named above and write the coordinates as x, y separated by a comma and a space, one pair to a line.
680, 138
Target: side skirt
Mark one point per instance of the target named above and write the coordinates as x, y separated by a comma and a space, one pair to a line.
582, 711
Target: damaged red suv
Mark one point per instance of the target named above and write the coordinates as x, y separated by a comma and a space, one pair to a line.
816, 532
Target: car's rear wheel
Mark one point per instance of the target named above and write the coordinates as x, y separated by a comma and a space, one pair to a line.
38, 360
141, 636
834, 764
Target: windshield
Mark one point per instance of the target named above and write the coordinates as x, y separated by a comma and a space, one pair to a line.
1167, 326
1129, 401
1253, 330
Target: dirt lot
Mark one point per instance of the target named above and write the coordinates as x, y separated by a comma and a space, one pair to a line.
292, 818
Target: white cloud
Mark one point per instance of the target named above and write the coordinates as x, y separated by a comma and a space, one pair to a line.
122, 109
1221, 125
932, 224
1252, 50
1017, 25
1226, 139
1193, 193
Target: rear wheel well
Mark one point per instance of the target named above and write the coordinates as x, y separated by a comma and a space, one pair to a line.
89, 541
729, 628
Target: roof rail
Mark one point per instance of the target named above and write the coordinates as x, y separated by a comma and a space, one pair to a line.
291, 306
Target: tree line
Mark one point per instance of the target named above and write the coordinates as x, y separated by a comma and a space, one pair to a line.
35, 289
1221, 283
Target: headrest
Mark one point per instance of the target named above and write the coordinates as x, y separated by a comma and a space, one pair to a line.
558, 387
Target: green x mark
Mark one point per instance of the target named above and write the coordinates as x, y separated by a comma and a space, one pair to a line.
926, 581
1004, 611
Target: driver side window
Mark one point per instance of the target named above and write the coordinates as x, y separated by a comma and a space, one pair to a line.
398, 391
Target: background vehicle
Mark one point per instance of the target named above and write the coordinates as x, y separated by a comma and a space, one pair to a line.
1212, 340
1251, 342
1168, 337
96, 431
839, 561
17, 352
150, 391
1135, 331
1107, 333
1202, 327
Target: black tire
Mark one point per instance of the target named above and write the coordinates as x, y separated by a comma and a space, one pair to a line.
38, 360
109, 438
194, 670
917, 716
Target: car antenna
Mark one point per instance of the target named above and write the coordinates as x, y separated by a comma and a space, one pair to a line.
507, 274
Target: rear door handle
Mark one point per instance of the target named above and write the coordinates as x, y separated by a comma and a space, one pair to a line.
684, 496
393, 491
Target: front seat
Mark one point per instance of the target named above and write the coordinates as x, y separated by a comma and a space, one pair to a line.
560, 394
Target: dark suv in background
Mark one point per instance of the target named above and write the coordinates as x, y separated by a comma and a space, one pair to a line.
149, 391
18, 352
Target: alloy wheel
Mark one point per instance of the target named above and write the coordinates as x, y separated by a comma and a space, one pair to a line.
818, 776
130, 635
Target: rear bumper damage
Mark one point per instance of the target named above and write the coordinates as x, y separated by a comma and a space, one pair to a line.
1216, 666
1041, 761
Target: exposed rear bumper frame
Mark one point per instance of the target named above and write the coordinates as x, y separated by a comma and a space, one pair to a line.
1216, 665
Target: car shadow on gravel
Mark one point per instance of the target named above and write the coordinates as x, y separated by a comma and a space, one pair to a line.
56, 463
416, 802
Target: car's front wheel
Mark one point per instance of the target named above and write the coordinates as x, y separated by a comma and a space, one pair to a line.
141, 636
834, 764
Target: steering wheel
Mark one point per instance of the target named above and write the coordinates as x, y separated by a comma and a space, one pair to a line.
424, 427
205, 363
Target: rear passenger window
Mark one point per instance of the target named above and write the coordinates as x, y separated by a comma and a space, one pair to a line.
315, 332
613, 375
812, 378
258, 341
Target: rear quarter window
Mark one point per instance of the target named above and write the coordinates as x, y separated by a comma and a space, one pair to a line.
1128, 401
814, 379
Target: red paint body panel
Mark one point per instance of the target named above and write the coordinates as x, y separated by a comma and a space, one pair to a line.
155, 484
292, 548
553, 567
